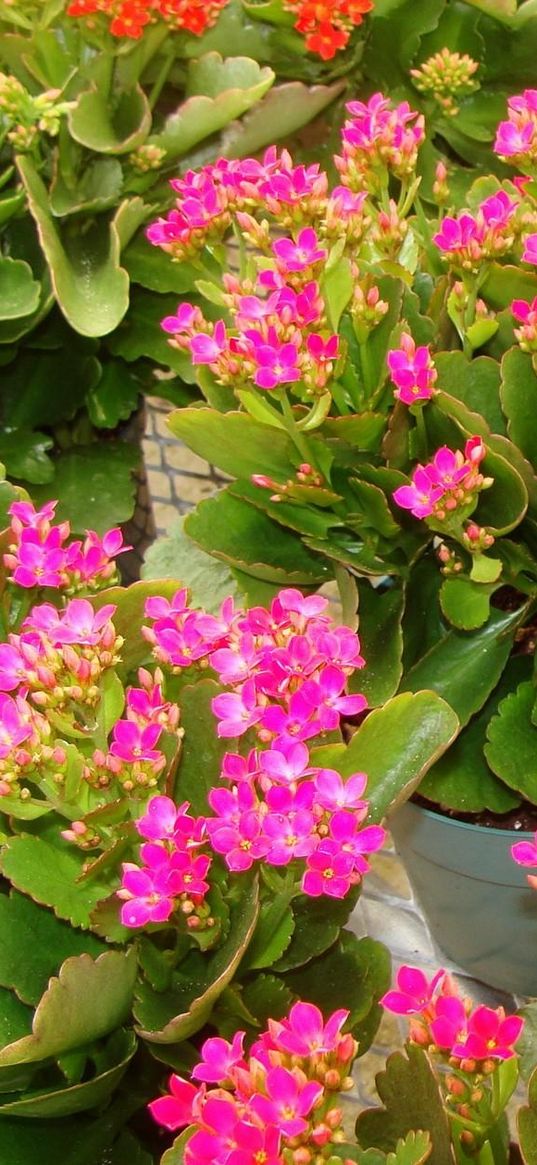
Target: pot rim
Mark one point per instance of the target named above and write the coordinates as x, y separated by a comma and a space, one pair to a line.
470, 825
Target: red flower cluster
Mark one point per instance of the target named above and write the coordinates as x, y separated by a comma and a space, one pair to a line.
129, 17
327, 24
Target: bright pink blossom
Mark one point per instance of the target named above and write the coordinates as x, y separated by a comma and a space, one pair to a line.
412, 371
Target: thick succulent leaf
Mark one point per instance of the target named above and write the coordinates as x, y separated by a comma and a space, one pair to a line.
519, 400
176, 556
141, 334
19, 291
61, 1102
281, 112
464, 669
247, 539
107, 496
167, 1017
98, 188
234, 86
475, 382
381, 640
527, 1124
202, 751
411, 1095
106, 126
49, 873
25, 456
512, 739
152, 268
91, 288
314, 931
115, 397
462, 779
34, 944
234, 442
396, 745
465, 604
86, 1001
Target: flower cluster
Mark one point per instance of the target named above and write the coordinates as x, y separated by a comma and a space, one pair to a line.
448, 1023
327, 26
448, 483
173, 877
468, 240
277, 1103
40, 555
129, 17
448, 76
412, 371
25, 115
133, 758
287, 669
379, 139
526, 315
516, 138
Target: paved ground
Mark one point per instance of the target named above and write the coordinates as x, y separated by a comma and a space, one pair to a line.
387, 910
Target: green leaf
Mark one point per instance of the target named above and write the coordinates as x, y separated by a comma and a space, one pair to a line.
465, 604
48, 390
60, 1102
167, 1017
363, 432
352, 974
15, 1019
485, 569
234, 86
95, 485
315, 930
87, 1000
519, 400
272, 934
381, 640
177, 557
462, 779
176, 1155
90, 286
505, 283
234, 442
267, 997
527, 1044
281, 112
202, 751
304, 519
110, 126
475, 382
34, 944
25, 456
152, 268
464, 669
19, 291
115, 397
48, 873
98, 188
527, 1124
411, 1094
396, 745
337, 288
246, 538
512, 739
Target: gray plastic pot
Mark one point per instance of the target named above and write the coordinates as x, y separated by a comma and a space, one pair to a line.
475, 899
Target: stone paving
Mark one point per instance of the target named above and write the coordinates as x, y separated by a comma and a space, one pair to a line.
387, 909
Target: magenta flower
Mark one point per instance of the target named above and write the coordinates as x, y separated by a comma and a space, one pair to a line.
491, 1035
237, 711
304, 1032
158, 823
328, 871
297, 722
297, 256
421, 496
174, 1111
39, 565
13, 667
146, 894
322, 351
242, 842
206, 349
332, 792
414, 991
131, 743
219, 1058
290, 1099
287, 765
449, 1023
412, 371
346, 832
447, 469
256, 1145
276, 364
289, 836
324, 695
184, 322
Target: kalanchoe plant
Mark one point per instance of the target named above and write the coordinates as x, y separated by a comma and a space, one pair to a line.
178, 806
98, 103
281, 1101
368, 388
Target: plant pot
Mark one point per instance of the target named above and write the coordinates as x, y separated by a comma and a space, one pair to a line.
475, 899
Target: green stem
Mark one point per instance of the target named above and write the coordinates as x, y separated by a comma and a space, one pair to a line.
469, 315
421, 433
161, 79
368, 372
298, 438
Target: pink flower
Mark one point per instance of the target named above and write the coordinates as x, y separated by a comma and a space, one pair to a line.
277, 363
147, 896
304, 1032
131, 743
491, 1035
322, 351
256, 1145
158, 824
237, 711
346, 832
242, 842
297, 256
412, 371
530, 249
289, 764
328, 871
39, 565
289, 836
206, 349
290, 1099
414, 991
219, 1058
449, 1023
332, 792
174, 1110
13, 667
326, 699
421, 496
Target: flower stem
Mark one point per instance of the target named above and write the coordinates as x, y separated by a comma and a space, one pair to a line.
299, 439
